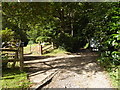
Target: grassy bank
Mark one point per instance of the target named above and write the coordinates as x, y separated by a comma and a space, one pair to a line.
114, 76
56, 52
13, 78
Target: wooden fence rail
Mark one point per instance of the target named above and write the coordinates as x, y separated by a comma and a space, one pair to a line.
18, 56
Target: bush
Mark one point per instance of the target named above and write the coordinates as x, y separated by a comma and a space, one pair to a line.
71, 44
7, 33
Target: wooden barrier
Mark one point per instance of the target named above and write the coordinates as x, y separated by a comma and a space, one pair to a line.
40, 49
17, 57
21, 58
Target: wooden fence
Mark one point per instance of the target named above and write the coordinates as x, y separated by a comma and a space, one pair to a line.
16, 54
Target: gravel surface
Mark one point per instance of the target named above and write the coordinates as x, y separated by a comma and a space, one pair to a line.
78, 70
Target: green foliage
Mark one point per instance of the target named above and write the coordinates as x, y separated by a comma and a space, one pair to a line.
68, 25
30, 42
80, 21
7, 35
41, 39
32, 34
111, 40
114, 74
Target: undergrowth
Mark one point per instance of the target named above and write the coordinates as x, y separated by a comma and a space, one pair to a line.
113, 72
114, 75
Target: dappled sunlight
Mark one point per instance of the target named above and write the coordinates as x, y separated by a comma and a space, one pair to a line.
78, 63
81, 68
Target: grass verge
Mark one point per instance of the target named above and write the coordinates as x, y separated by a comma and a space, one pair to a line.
13, 78
114, 76
56, 52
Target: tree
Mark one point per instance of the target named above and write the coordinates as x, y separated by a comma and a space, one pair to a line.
110, 37
70, 25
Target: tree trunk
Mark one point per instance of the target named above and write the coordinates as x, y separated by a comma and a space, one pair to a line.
72, 21
61, 17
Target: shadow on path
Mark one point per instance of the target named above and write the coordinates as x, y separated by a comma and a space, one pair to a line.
80, 63
31, 58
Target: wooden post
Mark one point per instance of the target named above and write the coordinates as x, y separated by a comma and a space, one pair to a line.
40, 49
30, 49
16, 57
52, 45
21, 58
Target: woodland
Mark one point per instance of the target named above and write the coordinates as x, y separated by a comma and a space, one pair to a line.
68, 25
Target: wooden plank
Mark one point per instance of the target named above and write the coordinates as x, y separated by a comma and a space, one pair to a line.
8, 49
48, 78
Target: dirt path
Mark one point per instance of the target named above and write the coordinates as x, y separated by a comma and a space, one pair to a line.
76, 71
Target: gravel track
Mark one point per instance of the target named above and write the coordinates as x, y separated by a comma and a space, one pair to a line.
79, 70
